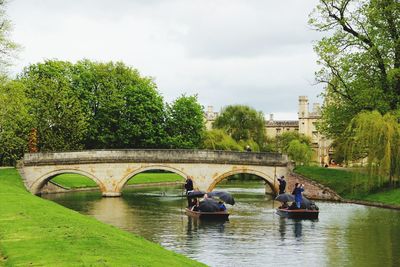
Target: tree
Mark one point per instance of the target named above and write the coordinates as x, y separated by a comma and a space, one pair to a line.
376, 138
185, 123
56, 110
299, 152
124, 109
15, 121
242, 123
284, 140
218, 140
7, 46
360, 59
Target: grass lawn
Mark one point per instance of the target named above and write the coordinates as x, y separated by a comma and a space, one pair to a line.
38, 232
71, 180
391, 197
348, 184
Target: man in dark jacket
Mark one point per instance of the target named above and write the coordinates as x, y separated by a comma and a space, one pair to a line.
189, 187
282, 185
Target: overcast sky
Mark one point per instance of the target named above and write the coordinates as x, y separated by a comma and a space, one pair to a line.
252, 52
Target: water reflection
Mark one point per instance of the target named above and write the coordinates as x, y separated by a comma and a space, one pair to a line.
344, 235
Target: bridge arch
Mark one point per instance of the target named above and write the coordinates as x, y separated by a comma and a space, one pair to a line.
129, 176
267, 178
39, 183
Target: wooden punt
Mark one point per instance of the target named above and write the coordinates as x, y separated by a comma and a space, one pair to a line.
217, 215
298, 213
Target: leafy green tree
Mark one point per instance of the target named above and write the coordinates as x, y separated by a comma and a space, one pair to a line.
377, 139
124, 109
299, 152
55, 108
242, 123
360, 58
283, 141
217, 139
15, 121
185, 124
7, 46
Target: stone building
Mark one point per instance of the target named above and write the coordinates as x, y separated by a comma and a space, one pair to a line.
306, 124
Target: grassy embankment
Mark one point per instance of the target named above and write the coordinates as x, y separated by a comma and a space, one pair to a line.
37, 232
350, 185
71, 180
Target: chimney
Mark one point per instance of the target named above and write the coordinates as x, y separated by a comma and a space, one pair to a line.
271, 117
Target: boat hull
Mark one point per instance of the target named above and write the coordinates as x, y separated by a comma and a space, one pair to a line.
217, 215
298, 213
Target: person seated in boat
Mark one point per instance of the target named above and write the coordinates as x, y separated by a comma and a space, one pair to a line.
222, 206
293, 206
284, 205
195, 206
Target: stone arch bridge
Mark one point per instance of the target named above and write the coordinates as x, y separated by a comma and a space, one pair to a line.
111, 169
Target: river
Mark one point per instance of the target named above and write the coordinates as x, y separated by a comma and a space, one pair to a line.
344, 234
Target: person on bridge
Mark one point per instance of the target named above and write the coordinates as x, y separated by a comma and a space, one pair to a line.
282, 185
297, 192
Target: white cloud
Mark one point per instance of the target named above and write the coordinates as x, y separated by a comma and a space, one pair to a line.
228, 52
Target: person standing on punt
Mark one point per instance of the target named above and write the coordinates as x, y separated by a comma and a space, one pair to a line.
297, 192
189, 187
282, 185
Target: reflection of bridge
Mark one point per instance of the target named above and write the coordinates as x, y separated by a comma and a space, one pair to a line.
111, 169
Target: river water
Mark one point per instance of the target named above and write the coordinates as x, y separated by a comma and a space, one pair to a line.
344, 234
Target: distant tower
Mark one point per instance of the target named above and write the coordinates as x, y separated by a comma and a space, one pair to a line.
303, 115
303, 107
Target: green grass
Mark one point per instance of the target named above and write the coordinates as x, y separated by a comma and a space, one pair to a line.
71, 180
351, 185
391, 197
37, 232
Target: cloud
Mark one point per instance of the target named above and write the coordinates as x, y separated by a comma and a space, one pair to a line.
256, 52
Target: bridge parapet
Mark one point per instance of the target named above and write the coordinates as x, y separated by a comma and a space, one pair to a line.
155, 156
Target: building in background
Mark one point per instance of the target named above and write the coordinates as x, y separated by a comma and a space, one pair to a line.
306, 124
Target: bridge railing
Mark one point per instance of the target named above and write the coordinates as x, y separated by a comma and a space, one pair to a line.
155, 156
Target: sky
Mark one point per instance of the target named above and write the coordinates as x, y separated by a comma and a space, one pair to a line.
249, 52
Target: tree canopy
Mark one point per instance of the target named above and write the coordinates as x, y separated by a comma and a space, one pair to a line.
360, 58
7, 46
15, 121
184, 123
242, 123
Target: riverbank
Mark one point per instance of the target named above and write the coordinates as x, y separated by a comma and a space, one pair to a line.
34, 231
351, 186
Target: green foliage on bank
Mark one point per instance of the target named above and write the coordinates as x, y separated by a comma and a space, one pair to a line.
244, 124
351, 184
92, 105
37, 232
71, 180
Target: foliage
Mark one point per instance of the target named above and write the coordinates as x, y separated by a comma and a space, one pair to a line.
283, 141
7, 46
35, 225
299, 152
377, 138
360, 59
242, 123
57, 113
125, 110
14, 122
184, 123
217, 139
